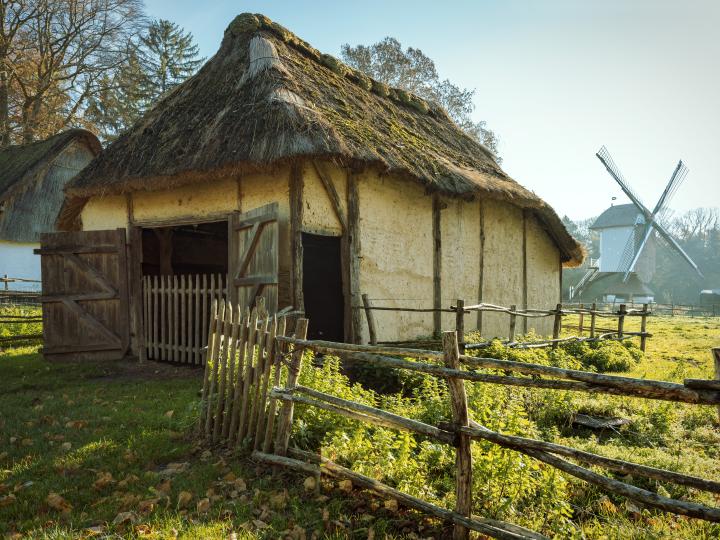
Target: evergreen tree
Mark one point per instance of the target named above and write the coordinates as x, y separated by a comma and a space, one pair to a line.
168, 56
163, 57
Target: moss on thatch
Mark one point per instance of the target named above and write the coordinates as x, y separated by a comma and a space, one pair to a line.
245, 113
31, 193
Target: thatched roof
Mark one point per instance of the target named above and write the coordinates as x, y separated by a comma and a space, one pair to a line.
267, 98
29, 202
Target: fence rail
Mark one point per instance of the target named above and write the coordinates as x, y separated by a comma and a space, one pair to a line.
176, 311
249, 358
592, 312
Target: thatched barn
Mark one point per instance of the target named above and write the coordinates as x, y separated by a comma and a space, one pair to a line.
360, 188
32, 178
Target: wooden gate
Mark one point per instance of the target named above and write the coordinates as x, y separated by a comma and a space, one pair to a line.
253, 261
85, 294
176, 315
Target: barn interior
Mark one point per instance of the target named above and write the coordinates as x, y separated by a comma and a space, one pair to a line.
200, 248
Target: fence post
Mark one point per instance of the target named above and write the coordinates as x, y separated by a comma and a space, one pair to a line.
580, 320
513, 320
716, 358
672, 310
7, 282
643, 328
621, 320
460, 324
286, 418
557, 324
461, 418
370, 319
592, 320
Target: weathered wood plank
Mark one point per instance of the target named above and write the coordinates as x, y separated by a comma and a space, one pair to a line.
286, 415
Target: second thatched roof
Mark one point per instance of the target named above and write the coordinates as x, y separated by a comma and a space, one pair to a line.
267, 98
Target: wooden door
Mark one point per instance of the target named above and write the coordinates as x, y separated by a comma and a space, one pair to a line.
254, 257
85, 295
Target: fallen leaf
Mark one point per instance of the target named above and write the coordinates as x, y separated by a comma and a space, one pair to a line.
125, 517
229, 477
65, 447
259, 524
56, 502
169, 414
143, 530
129, 479
7, 500
310, 483
391, 504
95, 530
147, 506
165, 486
345, 485
76, 424
240, 484
27, 442
278, 501
184, 498
104, 479
203, 505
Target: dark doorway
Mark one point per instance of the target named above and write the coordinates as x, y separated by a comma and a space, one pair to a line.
186, 249
322, 287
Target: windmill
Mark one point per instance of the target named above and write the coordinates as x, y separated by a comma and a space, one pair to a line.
627, 240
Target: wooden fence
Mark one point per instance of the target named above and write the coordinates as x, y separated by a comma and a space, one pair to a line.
176, 311
19, 340
23, 297
670, 310
587, 316
250, 356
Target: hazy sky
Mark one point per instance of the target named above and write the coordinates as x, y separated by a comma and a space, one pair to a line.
554, 79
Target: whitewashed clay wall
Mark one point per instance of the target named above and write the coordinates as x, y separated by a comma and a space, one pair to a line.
396, 242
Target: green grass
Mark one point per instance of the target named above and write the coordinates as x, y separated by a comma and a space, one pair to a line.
64, 427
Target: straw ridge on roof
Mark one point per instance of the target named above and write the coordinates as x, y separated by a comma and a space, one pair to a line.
268, 98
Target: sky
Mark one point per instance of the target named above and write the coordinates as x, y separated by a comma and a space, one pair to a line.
555, 79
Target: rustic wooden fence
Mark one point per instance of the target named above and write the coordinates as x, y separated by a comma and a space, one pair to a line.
587, 316
250, 356
18, 340
176, 311
22, 297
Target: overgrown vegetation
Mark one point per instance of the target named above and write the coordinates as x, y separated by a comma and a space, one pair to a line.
66, 429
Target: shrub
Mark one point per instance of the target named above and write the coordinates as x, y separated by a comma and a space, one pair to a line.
611, 356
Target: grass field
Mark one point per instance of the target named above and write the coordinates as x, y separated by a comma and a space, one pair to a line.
108, 449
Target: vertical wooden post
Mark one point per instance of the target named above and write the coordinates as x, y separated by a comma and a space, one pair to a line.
461, 418
643, 328
716, 358
513, 320
437, 264
286, 416
460, 324
593, 317
353, 255
621, 319
370, 319
580, 320
296, 219
6, 281
557, 324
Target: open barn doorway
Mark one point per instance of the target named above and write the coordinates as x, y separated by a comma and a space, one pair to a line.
322, 287
184, 269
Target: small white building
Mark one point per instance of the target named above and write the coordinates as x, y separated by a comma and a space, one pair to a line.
32, 179
621, 229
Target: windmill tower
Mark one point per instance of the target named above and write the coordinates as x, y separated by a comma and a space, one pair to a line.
628, 241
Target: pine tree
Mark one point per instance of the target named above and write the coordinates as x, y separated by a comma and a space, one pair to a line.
168, 56
163, 57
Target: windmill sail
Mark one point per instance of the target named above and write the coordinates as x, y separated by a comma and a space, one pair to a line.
632, 251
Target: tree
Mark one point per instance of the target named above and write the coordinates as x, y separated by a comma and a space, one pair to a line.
168, 56
411, 70
163, 56
55, 54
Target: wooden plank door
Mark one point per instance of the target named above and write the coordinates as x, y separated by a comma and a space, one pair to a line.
85, 295
254, 257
